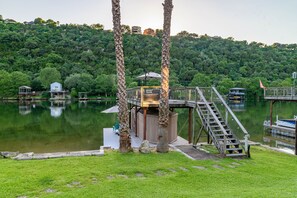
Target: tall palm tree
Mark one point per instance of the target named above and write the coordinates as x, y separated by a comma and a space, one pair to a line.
125, 139
164, 101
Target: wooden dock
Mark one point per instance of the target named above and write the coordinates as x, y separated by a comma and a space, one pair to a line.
280, 93
144, 102
280, 130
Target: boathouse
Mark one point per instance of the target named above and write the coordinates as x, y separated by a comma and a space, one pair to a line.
82, 95
57, 92
25, 92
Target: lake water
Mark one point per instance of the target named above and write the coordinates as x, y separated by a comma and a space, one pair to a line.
46, 127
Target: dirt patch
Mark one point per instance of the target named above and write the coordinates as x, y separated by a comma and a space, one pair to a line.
196, 153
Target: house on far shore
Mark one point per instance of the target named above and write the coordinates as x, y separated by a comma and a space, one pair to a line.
25, 92
136, 30
57, 92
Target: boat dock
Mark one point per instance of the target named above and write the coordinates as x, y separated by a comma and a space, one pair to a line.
280, 130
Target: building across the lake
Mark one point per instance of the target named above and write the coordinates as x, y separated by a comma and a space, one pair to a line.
136, 30
25, 92
57, 92
236, 94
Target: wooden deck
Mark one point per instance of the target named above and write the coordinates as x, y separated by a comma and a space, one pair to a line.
281, 93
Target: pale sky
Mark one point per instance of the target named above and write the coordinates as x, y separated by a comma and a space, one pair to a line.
266, 21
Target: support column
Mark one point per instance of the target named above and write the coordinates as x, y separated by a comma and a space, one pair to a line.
129, 116
226, 119
144, 123
136, 121
190, 127
271, 111
296, 137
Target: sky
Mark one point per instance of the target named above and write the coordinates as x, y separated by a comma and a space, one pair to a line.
266, 21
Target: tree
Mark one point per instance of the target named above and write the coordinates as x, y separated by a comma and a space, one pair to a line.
105, 84
201, 80
80, 82
125, 139
183, 34
225, 85
39, 21
98, 26
18, 79
126, 29
5, 82
164, 100
49, 75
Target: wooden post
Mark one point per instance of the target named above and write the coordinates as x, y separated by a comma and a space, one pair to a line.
136, 121
226, 119
271, 111
295, 137
190, 127
130, 116
144, 123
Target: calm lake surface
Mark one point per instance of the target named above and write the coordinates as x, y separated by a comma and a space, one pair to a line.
62, 127
46, 127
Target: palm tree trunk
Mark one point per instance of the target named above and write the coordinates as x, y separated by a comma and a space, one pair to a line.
125, 139
164, 101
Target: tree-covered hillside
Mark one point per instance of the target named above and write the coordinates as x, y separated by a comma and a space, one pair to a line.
82, 58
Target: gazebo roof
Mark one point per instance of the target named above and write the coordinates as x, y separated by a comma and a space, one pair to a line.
149, 75
25, 87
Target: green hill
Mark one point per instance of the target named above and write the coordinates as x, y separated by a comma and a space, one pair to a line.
84, 57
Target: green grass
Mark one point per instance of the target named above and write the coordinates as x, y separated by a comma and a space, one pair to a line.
266, 174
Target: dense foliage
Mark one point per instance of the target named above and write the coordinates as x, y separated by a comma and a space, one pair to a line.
81, 55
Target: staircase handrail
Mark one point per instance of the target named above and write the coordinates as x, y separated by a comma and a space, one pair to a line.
211, 111
246, 134
230, 111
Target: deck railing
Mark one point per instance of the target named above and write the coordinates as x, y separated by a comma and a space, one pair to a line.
148, 95
284, 93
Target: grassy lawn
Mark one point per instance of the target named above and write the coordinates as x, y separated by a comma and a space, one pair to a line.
266, 174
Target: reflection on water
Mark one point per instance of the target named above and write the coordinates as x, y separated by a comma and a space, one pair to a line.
283, 142
46, 127
24, 109
237, 105
57, 108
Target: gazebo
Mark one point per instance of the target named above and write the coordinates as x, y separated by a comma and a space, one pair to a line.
149, 76
25, 92
82, 95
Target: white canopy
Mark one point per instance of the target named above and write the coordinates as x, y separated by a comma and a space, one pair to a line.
149, 75
114, 109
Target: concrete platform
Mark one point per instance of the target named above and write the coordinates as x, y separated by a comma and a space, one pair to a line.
111, 139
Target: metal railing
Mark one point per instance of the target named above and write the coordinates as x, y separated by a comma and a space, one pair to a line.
230, 118
212, 113
281, 93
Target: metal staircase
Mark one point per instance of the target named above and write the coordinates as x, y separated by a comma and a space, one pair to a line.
218, 129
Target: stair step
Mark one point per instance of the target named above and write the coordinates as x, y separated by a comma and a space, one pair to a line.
219, 130
235, 155
217, 126
220, 135
228, 139
233, 149
233, 143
